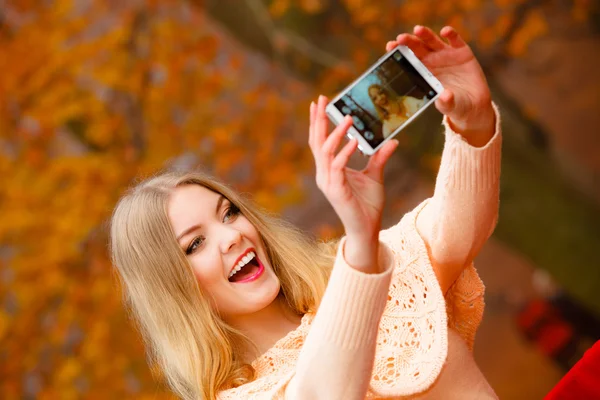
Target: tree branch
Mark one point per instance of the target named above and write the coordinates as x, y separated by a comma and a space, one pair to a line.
498, 52
281, 38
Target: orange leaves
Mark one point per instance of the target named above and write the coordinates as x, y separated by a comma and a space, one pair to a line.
4, 322
535, 25
228, 159
279, 7
312, 6
415, 12
327, 232
369, 13
503, 4
583, 9
206, 48
489, 35
470, 5
69, 370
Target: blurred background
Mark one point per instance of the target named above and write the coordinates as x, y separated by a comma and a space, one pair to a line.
95, 94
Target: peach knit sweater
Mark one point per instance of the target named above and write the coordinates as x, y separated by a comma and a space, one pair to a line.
394, 335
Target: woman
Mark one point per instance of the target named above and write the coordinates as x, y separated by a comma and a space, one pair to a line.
393, 110
235, 304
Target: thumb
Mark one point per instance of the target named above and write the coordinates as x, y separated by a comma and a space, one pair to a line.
374, 168
445, 102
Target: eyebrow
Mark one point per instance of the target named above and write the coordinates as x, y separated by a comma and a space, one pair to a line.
198, 226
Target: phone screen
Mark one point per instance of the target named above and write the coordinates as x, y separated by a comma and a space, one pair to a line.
382, 101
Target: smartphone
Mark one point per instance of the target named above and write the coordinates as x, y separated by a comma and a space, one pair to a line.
385, 99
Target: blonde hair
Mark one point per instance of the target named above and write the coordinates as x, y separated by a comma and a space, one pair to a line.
392, 97
198, 353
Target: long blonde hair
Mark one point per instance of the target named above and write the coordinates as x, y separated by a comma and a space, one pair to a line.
199, 353
392, 98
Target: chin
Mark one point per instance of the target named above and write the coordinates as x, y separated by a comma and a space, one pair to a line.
270, 291
256, 298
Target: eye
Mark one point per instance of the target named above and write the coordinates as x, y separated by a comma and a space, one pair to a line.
197, 242
231, 212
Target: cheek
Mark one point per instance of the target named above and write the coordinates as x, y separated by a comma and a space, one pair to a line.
247, 229
207, 270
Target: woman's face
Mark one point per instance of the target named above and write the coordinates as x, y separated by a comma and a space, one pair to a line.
217, 240
379, 97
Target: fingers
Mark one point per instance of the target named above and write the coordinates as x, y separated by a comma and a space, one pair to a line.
414, 43
430, 39
340, 161
453, 37
333, 141
311, 127
425, 40
323, 146
390, 45
445, 102
319, 124
317, 132
374, 168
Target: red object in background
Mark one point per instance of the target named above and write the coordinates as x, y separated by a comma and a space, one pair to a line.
531, 316
582, 382
543, 323
554, 336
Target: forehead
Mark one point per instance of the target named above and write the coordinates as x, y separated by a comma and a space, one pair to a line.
191, 204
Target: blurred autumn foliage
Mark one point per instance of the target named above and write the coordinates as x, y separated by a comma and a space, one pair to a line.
94, 94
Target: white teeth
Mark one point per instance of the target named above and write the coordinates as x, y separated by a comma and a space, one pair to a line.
241, 263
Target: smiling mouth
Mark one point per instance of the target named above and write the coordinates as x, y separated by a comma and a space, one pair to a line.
248, 272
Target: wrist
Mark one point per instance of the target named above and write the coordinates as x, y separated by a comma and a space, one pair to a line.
362, 254
478, 128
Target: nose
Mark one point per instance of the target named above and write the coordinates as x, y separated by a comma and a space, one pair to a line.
231, 238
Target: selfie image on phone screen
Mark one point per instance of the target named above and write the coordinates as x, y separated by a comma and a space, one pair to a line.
383, 101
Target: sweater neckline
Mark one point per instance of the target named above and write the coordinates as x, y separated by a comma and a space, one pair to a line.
290, 340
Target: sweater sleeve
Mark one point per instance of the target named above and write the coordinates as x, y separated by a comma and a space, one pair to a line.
463, 211
337, 358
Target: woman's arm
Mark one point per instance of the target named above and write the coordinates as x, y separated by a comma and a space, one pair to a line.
463, 211
336, 360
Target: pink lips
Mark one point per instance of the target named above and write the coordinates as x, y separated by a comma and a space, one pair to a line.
256, 275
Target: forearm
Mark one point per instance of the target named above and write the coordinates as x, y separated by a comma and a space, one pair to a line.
480, 131
362, 253
463, 211
336, 360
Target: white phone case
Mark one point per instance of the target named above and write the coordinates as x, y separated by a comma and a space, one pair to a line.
337, 116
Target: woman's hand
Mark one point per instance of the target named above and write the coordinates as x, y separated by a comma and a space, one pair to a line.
356, 196
466, 99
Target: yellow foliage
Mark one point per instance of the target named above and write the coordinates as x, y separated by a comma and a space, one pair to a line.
311, 6
535, 25
583, 9
4, 322
92, 98
279, 7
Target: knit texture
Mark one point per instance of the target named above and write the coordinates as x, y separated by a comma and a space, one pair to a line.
385, 336
412, 335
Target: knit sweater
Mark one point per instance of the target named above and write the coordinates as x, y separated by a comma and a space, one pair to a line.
395, 335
